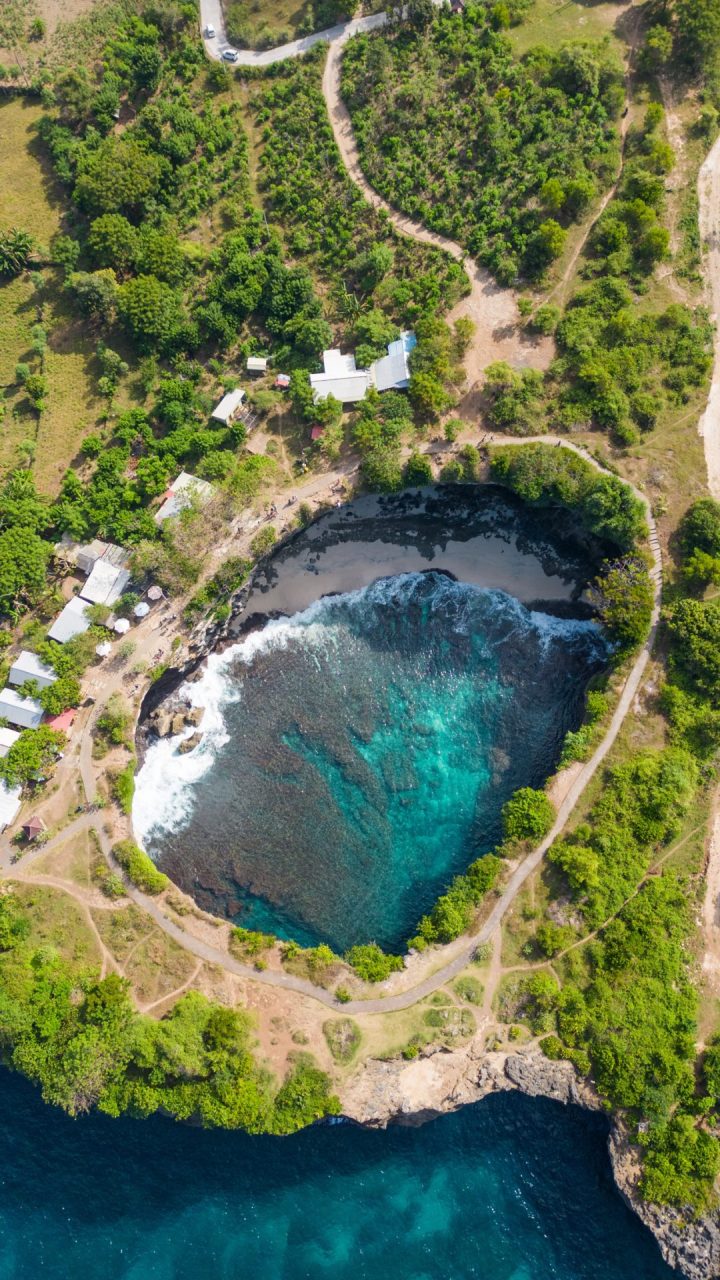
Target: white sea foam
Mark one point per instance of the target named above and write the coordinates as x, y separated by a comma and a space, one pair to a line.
164, 791
164, 796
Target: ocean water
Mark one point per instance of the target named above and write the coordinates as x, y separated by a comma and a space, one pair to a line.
357, 755
509, 1189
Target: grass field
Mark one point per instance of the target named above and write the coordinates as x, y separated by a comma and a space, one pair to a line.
551, 22
31, 198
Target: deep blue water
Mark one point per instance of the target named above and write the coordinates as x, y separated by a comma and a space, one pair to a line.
363, 751
510, 1189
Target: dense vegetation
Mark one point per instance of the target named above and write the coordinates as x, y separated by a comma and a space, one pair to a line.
497, 152
83, 1042
325, 218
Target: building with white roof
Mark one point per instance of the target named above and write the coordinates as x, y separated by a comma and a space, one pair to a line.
105, 584
27, 666
256, 364
10, 801
24, 712
85, 556
181, 494
71, 622
392, 372
342, 379
228, 407
7, 738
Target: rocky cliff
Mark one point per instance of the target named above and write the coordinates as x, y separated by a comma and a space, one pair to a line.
410, 1093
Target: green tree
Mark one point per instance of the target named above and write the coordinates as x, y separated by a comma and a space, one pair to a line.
16, 246
527, 815
418, 469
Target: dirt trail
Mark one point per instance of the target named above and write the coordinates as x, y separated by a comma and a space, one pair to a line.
709, 218
492, 309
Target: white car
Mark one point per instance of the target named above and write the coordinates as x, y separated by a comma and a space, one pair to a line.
230, 55
209, 32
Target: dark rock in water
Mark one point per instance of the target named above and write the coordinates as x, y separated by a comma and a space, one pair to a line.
194, 715
189, 744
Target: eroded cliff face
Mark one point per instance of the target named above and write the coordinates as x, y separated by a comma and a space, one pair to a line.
411, 1093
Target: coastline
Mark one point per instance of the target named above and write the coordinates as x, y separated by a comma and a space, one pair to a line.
441, 1081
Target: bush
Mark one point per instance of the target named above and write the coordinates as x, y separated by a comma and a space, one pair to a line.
527, 815
343, 1038
140, 869
470, 989
123, 786
263, 541
624, 598
371, 963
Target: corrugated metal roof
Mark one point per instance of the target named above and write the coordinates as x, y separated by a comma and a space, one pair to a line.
25, 712
346, 389
10, 800
7, 738
105, 584
228, 406
71, 622
27, 666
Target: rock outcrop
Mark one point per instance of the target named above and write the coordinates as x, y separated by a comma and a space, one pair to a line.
410, 1093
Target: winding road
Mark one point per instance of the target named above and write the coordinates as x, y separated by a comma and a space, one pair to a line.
498, 334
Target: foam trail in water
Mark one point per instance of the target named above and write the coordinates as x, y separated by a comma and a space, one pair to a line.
164, 792
163, 797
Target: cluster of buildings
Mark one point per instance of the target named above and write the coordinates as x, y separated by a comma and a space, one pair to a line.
342, 379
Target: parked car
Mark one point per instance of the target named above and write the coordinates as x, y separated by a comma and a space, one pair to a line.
230, 55
209, 32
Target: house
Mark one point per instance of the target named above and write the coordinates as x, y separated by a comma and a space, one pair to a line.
282, 382
392, 372
317, 433
71, 622
181, 494
340, 378
226, 411
348, 384
27, 666
105, 584
10, 800
33, 828
84, 557
256, 364
7, 738
62, 722
26, 713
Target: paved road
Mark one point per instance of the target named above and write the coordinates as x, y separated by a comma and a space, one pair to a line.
211, 14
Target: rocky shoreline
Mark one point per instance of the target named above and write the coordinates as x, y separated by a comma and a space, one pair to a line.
412, 1093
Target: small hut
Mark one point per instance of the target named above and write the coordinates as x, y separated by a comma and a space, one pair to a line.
33, 828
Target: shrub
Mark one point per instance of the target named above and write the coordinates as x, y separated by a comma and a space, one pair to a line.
527, 815
140, 869
343, 1038
123, 786
470, 989
263, 541
371, 963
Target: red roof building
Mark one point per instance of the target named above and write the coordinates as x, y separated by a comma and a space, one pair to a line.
63, 721
316, 433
